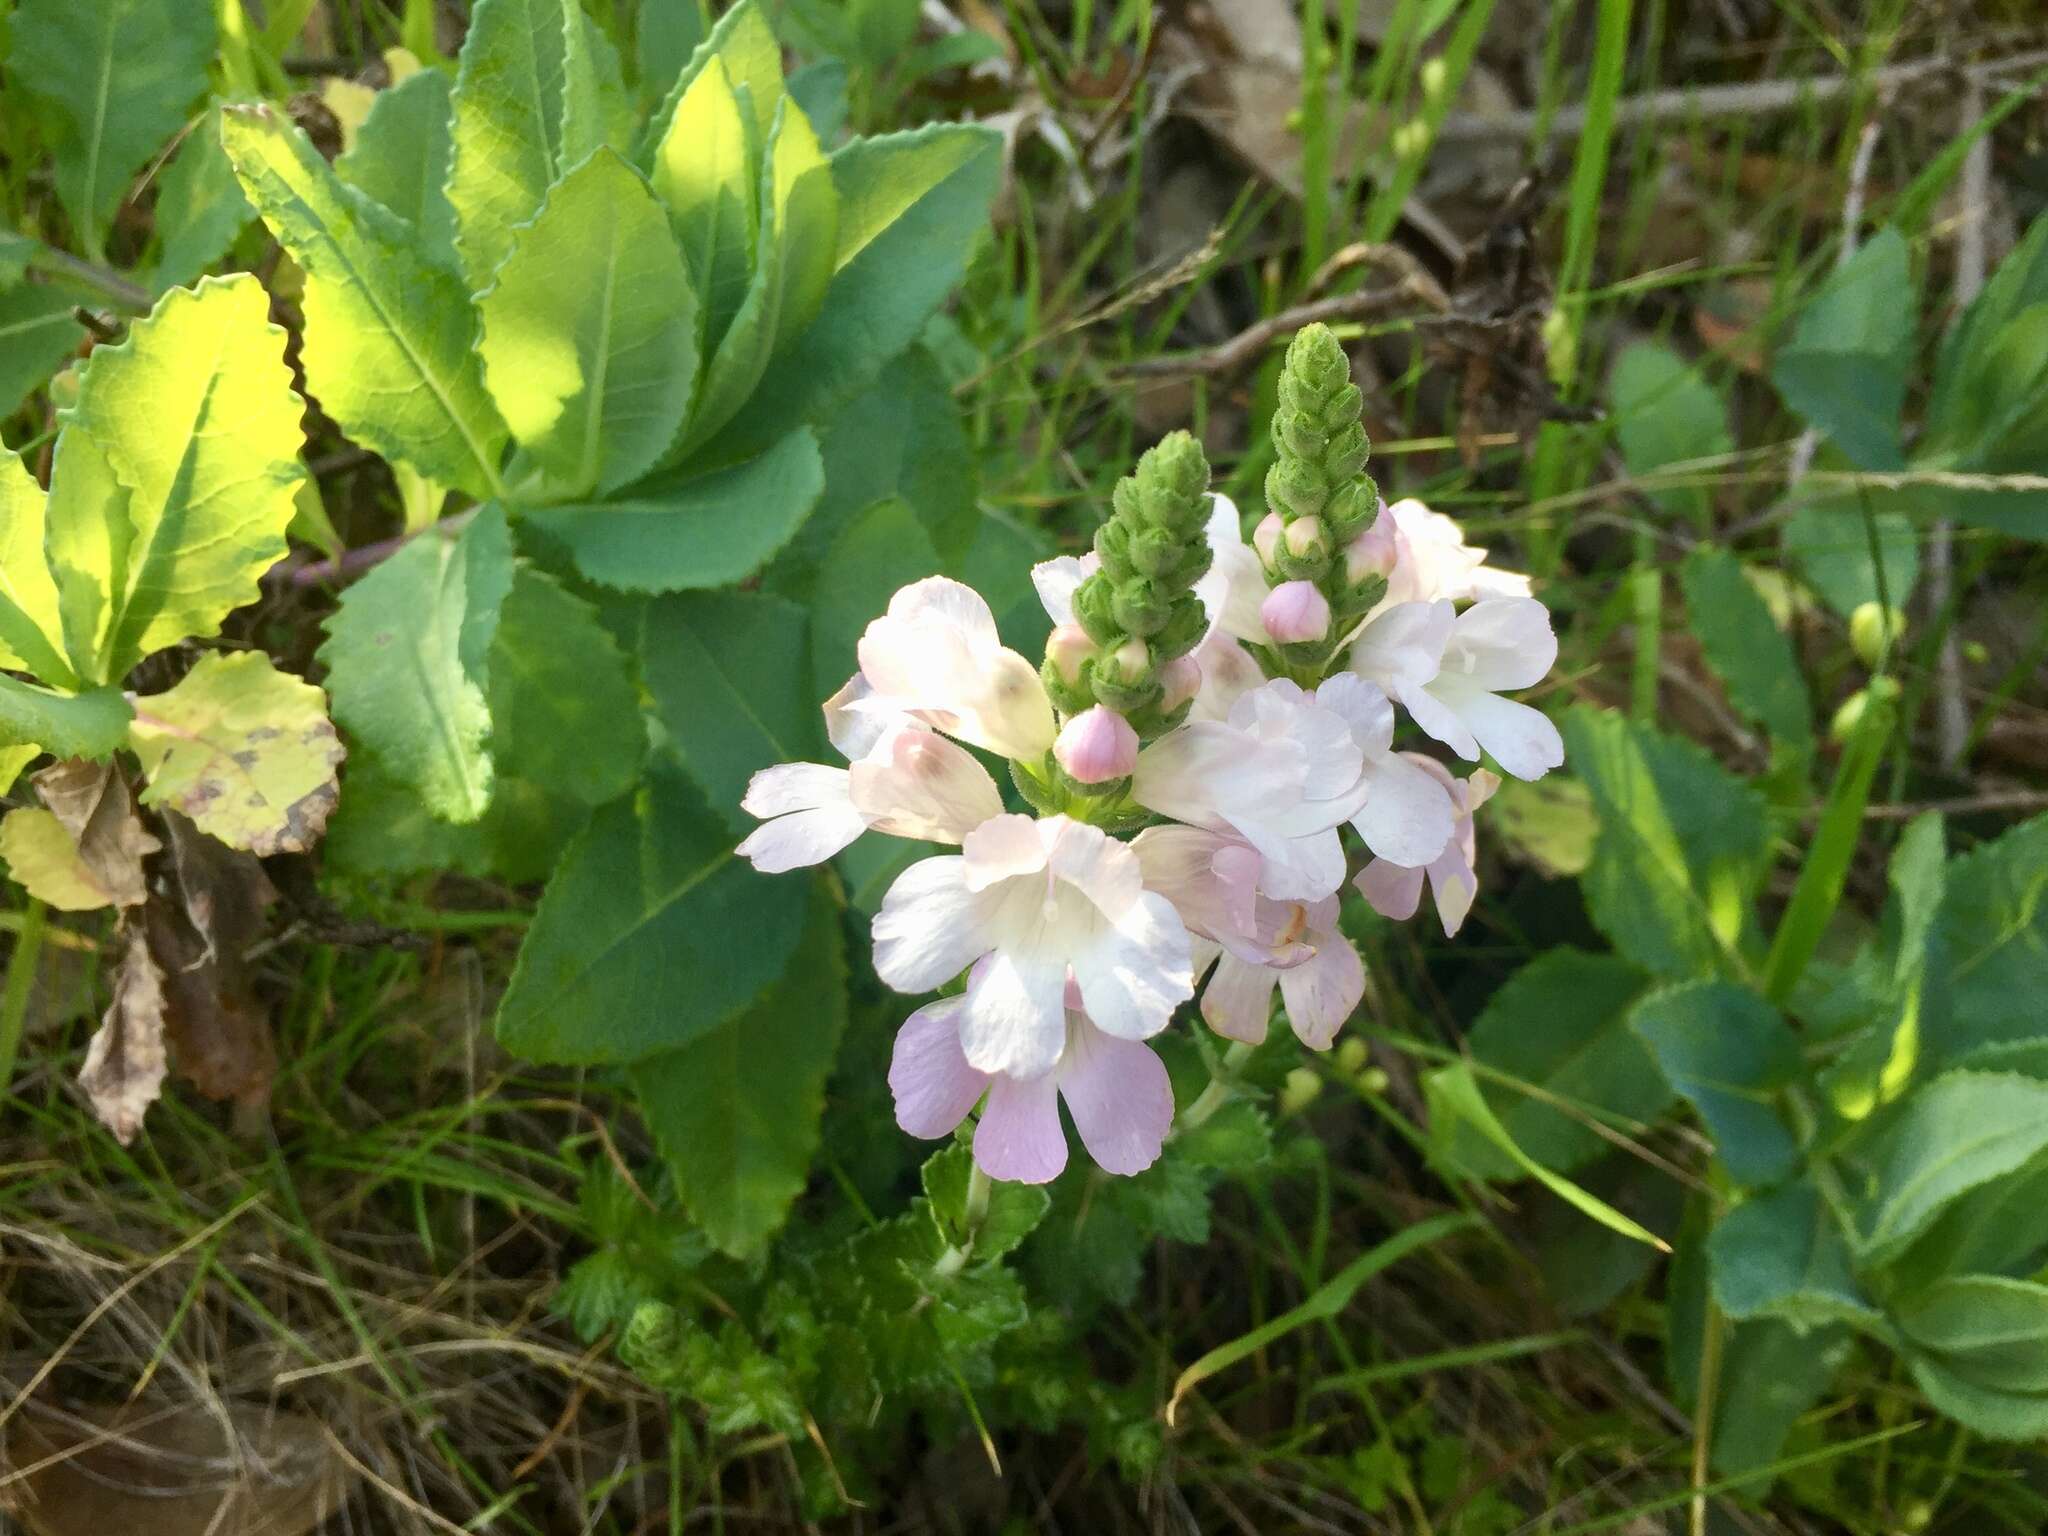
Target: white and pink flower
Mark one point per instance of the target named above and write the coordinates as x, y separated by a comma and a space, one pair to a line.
936, 656
1395, 890
1043, 901
1116, 1089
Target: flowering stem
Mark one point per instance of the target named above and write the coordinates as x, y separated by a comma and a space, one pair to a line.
1222, 1081
979, 1187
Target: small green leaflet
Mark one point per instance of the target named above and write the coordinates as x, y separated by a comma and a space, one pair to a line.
406, 661
390, 349
400, 161
1978, 1345
1728, 1053
589, 332
703, 174
37, 332
1845, 367
1748, 652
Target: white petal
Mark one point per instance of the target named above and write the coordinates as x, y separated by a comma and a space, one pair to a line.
1403, 646
1228, 674
1365, 707
1189, 773
1522, 740
1056, 581
1321, 993
1019, 1139
1239, 999
1120, 1097
1003, 848
929, 929
924, 786
795, 787
1138, 970
943, 601
1441, 715
801, 838
1392, 890
1454, 885
1407, 816
936, 654
1504, 642
851, 725
929, 1077
1016, 1018
1094, 863
1211, 879
1302, 868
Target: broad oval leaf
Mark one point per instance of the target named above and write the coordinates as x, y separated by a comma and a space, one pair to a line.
1728, 1053
1782, 1255
1978, 1345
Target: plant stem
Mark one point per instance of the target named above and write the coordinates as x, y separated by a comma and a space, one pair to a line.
1222, 1082
21, 978
979, 1188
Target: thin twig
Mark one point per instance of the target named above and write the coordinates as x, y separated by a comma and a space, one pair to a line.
2023, 800
123, 291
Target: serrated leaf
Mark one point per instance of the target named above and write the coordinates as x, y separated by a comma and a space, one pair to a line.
1994, 917
649, 935
93, 724
37, 332
1978, 1346
911, 208
736, 1110
526, 109
1782, 1255
1666, 413
1238, 1137
246, 752
115, 79
1747, 651
197, 420
200, 209
679, 533
1772, 1376
589, 331
745, 47
1012, 1212
390, 348
1682, 844
731, 679
704, 175
1560, 1025
400, 161
1845, 368
565, 714
407, 661
1959, 1132
31, 627
1728, 1054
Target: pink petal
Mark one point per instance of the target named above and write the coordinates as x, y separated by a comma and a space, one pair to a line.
1003, 848
924, 786
1019, 1137
1365, 708
1239, 999
929, 929
794, 787
1392, 890
1120, 1098
1454, 885
933, 1085
1321, 993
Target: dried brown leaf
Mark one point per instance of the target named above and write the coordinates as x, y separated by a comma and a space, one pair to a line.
124, 1064
91, 802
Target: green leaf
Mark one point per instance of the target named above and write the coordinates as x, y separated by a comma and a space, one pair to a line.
390, 348
589, 332
407, 661
400, 161
884, 548
1994, 918
37, 332
1456, 1104
1992, 371
1728, 1054
1978, 1345
92, 724
1666, 413
650, 934
705, 176
731, 678
115, 79
1682, 845
197, 421
200, 209
245, 751
1014, 1210
1748, 652
685, 532
736, 1110
31, 626
1783, 1255
1845, 368
1560, 1025
526, 109
16, 251
1772, 1376
1962, 1130
745, 47
2001, 1228
1829, 541
911, 207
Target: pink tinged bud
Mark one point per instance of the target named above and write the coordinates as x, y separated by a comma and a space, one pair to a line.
1371, 553
1096, 746
1179, 680
1295, 611
1266, 537
1131, 660
1306, 537
1066, 648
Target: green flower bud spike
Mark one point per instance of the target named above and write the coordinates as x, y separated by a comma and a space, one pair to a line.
1319, 489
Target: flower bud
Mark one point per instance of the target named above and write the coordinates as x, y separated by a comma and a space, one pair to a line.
1295, 611
1870, 627
1129, 662
1066, 648
1266, 538
1179, 680
1848, 717
1352, 1057
1307, 539
1096, 746
1372, 553
1299, 1090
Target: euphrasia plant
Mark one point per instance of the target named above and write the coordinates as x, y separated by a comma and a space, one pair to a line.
1200, 694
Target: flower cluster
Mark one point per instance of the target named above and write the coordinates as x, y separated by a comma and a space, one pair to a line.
1209, 716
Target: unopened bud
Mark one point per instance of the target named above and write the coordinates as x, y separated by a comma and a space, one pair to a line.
1871, 627
1129, 662
1372, 553
1299, 1090
1066, 648
1849, 716
1266, 538
1352, 1056
1295, 611
1096, 746
1179, 680
1307, 539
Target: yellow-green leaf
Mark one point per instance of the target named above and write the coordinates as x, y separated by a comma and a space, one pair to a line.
244, 750
31, 633
45, 862
196, 419
703, 174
